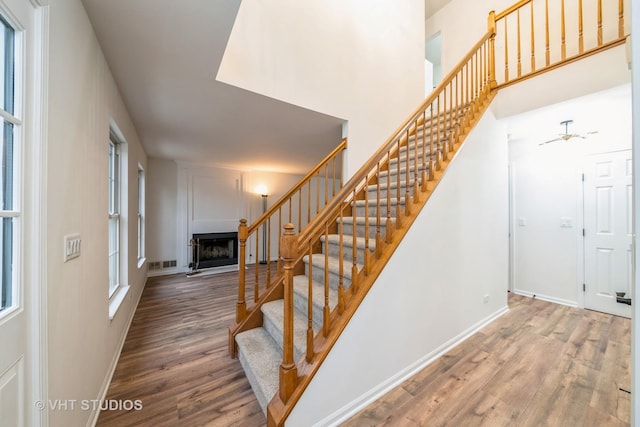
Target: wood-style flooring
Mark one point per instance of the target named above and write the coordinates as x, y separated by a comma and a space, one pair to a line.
541, 364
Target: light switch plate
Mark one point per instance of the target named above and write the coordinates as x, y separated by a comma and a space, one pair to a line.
72, 243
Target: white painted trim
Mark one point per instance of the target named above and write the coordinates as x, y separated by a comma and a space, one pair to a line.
635, 310
116, 300
39, 338
355, 406
104, 388
545, 298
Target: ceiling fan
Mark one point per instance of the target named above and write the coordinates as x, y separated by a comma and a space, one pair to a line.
566, 135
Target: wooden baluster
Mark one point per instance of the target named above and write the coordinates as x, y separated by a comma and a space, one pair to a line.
416, 167
407, 177
326, 184
506, 52
354, 242
389, 223
268, 257
580, 28
366, 227
318, 193
519, 51
340, 262
326, 311
620, 19
299, 210
434, 163
335, 174
425, 177
256, 285
563, 44
309, 203
533, 42
279, 262
310, 305
491, 23
546, 35
288, 369
450, 119
241, 305
378, 215
599, 22
290, 209
398, 186
443, 150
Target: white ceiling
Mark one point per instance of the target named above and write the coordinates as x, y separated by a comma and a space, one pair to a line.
164, 55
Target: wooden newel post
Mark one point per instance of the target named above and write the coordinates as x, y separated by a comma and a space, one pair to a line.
491, 22
288, 369
241, 305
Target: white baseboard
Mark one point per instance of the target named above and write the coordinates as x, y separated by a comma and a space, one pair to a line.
355, 406
545, 298
114, 363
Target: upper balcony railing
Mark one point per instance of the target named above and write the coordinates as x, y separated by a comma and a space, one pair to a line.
533, 36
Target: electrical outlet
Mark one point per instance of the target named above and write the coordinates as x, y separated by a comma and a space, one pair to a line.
72, 243
485, 299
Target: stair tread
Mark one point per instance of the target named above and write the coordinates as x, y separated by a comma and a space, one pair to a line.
334, 263
260, 357
274, 311
360, 220
373, 201
301, 288
348, 242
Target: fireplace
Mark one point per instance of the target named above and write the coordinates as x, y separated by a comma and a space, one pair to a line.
215, 249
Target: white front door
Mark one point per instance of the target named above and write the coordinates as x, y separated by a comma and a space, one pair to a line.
608, 207
20, 261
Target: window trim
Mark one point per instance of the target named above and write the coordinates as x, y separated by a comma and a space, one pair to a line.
141, 217
115, 195
12, 123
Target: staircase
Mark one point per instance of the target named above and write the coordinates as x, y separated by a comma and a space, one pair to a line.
326, 268
260, 349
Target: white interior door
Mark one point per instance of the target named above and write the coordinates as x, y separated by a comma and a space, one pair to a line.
608, 208
20, 379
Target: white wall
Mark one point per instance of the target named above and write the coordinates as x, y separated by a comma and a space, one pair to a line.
162, 205
547, 186
421, 305
362, 61
83, 344
470, 15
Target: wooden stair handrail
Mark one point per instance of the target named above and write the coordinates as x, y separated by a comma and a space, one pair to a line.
289, 194
346, 190
480, 88
476, 84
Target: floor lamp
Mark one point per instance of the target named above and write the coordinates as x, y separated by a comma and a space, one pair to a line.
263, 259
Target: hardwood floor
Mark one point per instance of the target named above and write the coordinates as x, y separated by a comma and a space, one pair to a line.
541, 364
175, 358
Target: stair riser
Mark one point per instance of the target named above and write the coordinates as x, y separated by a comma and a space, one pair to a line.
334, 250
276, 332
393, 177
334, 277
300, 304
372, 211
394, 192
348, 229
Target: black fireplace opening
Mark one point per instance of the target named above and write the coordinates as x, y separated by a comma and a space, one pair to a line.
215, 249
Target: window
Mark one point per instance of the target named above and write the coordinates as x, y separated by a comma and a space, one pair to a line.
10, 212
114, 213
141, 218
